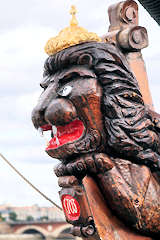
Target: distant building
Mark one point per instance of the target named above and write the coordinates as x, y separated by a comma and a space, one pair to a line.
37, 212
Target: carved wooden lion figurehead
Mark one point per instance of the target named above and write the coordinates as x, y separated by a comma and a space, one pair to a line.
92, 103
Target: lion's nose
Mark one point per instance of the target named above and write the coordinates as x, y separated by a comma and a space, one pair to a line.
60, 112
38, 117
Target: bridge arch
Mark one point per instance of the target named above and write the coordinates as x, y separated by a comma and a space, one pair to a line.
24, 229
60, 229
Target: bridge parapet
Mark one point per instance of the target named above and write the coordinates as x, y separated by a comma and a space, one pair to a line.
49, 229
5, 228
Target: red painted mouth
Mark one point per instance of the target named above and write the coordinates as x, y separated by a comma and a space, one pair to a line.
65, 134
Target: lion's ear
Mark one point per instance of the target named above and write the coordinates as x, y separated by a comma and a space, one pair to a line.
85, 59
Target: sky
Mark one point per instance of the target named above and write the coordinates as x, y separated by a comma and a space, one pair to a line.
25, 27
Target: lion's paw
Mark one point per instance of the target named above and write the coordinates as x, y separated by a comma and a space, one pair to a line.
86, 164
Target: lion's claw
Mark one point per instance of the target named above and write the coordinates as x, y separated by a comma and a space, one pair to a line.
87, 164
60, 170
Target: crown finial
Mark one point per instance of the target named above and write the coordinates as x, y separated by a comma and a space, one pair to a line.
73, 12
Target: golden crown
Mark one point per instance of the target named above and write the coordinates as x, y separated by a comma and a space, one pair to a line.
70, 36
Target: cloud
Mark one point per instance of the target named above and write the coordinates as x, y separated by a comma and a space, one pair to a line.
15, 191
22, 59
25, 26
50, 13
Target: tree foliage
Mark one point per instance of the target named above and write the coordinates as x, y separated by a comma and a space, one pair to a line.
29, 218
13, 216
2, 219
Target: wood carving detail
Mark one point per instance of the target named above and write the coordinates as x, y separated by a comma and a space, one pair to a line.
90, 92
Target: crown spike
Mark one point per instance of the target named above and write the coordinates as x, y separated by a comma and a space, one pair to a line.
73, 12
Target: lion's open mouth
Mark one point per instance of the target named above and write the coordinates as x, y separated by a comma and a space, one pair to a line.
64, 134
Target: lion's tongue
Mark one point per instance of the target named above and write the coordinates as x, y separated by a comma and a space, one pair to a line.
67, 133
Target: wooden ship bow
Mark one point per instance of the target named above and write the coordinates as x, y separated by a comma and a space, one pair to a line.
97, 104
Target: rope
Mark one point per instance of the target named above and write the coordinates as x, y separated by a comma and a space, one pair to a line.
27, 181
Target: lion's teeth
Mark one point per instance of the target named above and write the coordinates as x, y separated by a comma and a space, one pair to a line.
40, 130
54, 130
57, 141
45, 135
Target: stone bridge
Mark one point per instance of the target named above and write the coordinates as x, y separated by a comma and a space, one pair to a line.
47, 229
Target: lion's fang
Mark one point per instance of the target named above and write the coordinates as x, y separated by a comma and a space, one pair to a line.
40, 130
54, 130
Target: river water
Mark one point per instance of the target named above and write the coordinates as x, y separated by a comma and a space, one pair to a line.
20, 237
26, 237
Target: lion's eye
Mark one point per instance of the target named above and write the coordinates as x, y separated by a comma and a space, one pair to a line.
65, 91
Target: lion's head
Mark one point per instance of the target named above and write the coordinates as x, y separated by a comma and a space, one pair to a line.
92, 103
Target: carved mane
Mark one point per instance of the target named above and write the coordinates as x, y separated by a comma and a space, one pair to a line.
128, 125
